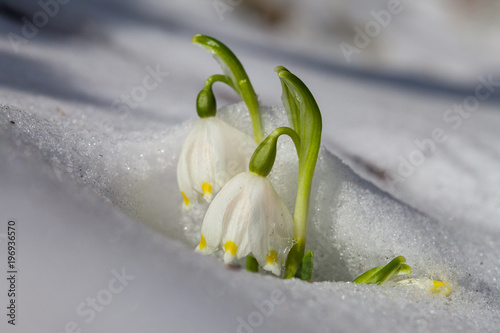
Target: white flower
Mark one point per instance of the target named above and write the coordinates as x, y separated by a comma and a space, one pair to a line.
211, 155
248, 217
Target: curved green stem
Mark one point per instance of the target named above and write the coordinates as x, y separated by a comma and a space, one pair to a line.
219, 78
263, 158
233, 70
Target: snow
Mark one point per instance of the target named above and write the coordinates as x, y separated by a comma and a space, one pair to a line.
93, 189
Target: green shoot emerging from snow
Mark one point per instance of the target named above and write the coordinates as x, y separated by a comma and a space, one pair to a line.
305, 117
248, 218
381, 274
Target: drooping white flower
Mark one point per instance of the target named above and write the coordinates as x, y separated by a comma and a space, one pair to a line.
248, 217
211, 155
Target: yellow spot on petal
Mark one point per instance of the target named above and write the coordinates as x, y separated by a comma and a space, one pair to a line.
230, 246
203, 243
186, 200
272, 257
437, 284
207, 188
440, 287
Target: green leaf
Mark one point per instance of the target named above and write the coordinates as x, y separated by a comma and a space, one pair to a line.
307, 266
404, 269
305, 117
303, 114
383, 273
294, 259
233, 69
252, 264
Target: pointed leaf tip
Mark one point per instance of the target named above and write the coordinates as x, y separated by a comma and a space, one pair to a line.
307, 266
279, 69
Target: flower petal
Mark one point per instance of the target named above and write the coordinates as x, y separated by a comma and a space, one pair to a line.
273, 268
238, 148
258, 228
282, 235
213, 223
207, 192
207, 156
183, 168
212, 154
271, 230
236, 218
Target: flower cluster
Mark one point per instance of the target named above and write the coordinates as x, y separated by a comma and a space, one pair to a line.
247, 217
224, 167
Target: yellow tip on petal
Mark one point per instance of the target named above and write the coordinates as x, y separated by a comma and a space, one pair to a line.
207, 188
272, 257
186, 200
207, 192
203, 243
230, 246
440, 287
437, 284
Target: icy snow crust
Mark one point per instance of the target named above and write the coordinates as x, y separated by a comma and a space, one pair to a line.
354, 226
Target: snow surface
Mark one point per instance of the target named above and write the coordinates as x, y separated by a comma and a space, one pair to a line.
77, 175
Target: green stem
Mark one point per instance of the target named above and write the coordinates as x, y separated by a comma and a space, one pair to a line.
263, 158
233, 70
253, 108
300, 218
218, 78
301, 213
